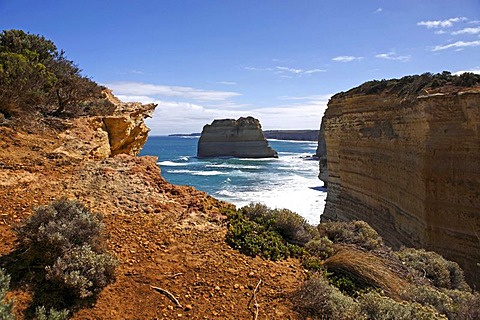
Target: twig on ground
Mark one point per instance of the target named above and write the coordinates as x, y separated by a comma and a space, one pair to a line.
254, 299
168, 294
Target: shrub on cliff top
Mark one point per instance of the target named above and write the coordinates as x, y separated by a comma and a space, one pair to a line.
35, 75
59, 227
441, 272
290, 225
65, 240
318, 299
358, 233
6, 307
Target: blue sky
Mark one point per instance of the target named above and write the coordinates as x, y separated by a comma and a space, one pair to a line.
279, 61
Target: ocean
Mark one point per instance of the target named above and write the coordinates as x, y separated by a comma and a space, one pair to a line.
291, 181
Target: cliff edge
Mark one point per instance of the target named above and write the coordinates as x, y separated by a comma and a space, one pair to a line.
404, 156
242, 138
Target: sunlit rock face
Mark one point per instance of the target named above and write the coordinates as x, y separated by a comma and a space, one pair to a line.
409, 165
242, 138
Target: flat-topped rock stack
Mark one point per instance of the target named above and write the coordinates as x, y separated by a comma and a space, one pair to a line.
242, 138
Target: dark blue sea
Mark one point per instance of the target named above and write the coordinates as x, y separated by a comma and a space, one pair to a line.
291, 181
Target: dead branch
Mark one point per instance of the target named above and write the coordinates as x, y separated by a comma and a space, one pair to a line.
168, 294
255, 302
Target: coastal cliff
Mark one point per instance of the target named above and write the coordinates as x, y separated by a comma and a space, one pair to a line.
404, 156
242, 138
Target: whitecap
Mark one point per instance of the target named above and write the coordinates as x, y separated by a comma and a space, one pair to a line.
167, 163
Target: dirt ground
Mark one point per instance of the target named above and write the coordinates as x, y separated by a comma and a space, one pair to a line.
164, 236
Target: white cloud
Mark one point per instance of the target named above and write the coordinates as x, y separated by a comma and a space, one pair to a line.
393, 56
227, 83
346, 58
458, 45
290, 70
467, 31
145, 89
286, 72
475, 70
441, 23
378, 10
440, 32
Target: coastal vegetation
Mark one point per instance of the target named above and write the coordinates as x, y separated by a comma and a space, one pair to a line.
61, 253
36, 76
352, 274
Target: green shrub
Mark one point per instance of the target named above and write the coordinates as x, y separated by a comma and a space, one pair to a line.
378, 307
82, 271
42, 314
321, 248
59, 227
317, 299
6, 307
427, 295
441, 272
290, 225
356, 232
252, 238
65, 240
469, 309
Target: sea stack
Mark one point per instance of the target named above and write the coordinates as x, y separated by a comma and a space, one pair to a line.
242, 138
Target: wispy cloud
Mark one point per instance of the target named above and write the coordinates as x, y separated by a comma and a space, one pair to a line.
467, 31
346, 58
378, 10
457, 45
145, 89
441, 23
287, 72
393, 56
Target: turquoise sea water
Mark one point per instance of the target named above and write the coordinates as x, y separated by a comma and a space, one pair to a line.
291, 181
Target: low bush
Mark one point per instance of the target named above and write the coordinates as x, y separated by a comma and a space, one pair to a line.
469, 309
59, 227
42, 314
320, 247
356, 232
6, 307
290, 225
64, 241
316, 298
441, 272
253, 238
378, 307
82, 271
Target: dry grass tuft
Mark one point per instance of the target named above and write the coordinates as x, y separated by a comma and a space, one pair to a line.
369, 269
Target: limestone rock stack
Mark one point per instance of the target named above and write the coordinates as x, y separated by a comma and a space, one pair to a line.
242, 138
409, 165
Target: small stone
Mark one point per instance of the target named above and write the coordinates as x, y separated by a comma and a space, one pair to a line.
236, 286
188, 307
217, 288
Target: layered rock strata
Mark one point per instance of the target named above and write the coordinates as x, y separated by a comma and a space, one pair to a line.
410, 167
242, 138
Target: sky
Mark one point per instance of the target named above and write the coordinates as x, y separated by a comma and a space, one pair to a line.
276, 60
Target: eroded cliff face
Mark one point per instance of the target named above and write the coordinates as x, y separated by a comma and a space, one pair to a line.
242, 138
410, 167
122, 131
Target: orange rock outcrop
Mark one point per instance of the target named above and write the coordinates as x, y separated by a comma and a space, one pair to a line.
409, 165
